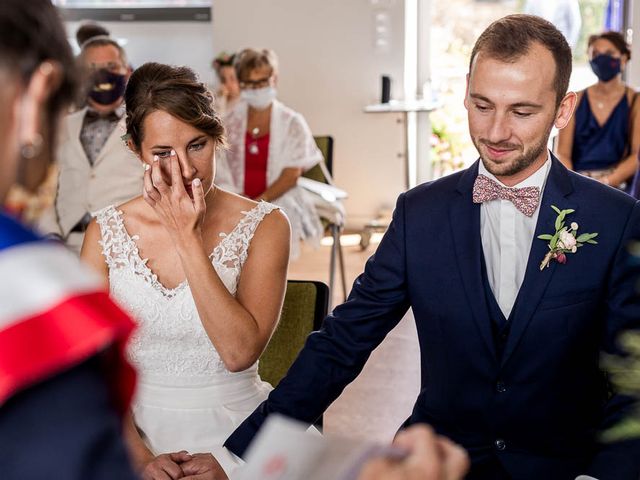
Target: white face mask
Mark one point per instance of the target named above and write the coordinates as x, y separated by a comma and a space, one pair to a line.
260, 98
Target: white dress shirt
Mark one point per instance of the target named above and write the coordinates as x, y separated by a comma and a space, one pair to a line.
507, 235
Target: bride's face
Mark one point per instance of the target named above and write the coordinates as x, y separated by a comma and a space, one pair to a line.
195, 149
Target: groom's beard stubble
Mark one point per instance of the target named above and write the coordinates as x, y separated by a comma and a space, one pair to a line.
519, 163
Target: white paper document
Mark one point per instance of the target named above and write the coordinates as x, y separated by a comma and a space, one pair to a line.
284, 450
329, 192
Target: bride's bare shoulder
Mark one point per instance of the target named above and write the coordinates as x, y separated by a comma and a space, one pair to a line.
232, 202
275, 225
138, 211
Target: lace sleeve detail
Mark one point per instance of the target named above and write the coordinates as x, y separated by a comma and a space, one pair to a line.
115, 242
234, 247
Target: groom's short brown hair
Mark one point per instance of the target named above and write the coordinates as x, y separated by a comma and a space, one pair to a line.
510, 37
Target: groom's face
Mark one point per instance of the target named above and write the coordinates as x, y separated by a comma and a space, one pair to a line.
511, 110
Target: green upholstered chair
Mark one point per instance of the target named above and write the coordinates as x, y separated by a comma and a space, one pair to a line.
305, 306
332, 216
322, 172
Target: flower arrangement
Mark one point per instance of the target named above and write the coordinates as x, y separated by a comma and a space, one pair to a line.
565, 239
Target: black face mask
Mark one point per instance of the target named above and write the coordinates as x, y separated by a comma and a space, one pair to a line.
605, 66
107, 87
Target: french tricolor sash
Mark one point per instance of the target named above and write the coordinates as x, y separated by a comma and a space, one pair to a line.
54, 314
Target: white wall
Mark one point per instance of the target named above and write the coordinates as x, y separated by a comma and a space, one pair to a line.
177, 43
329, 70
634, 67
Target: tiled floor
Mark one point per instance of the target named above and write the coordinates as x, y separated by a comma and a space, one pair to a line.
381, 398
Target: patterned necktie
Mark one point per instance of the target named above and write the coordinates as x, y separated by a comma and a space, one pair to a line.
95, 132
524, 199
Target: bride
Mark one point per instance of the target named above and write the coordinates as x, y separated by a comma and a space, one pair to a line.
203, 271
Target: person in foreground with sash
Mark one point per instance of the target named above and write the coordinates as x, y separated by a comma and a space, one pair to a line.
63, 381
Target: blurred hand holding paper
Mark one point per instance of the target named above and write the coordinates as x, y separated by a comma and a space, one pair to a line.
284, 450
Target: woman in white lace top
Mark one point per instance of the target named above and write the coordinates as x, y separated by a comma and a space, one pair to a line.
202, 270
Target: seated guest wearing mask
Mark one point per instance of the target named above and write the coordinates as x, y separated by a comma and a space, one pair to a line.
602, 139
95, 167
270, 146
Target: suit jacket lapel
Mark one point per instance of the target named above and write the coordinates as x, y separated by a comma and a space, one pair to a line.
465, 225
557, 188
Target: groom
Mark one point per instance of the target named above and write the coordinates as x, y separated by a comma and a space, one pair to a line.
510, 351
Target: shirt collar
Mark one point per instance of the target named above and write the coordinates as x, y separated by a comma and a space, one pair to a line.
537, 179
116, 114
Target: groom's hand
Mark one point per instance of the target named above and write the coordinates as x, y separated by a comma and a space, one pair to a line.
203, 466
166, 466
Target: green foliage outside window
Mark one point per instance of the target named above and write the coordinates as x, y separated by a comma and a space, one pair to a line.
592, 22
624, 373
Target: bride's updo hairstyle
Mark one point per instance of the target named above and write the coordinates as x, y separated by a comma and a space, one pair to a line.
174, 90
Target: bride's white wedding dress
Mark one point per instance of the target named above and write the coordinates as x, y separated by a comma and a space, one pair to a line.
186, 399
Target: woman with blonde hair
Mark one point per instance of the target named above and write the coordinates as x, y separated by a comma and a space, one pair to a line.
270, 146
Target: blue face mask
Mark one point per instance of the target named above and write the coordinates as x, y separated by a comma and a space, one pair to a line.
605, 67
107, 87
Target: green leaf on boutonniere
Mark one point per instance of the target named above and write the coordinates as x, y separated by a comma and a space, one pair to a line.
556, 209
568, 211
545, 236
585, 237
554, 241
592, 242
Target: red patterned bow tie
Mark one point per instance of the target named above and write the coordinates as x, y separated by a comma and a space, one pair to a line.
525, 199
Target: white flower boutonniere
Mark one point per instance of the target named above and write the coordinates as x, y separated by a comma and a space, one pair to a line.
565, 240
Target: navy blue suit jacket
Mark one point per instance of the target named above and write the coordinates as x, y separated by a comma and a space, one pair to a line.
536, 409
64, 427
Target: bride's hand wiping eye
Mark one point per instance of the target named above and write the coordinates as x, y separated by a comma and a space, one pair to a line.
178, 212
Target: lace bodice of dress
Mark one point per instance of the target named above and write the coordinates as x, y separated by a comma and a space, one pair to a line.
170, 343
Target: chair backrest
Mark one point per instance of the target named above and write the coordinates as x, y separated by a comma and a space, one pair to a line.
322, 172
305, 306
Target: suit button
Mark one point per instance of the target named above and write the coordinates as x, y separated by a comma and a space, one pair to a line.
501, 387
500, 444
